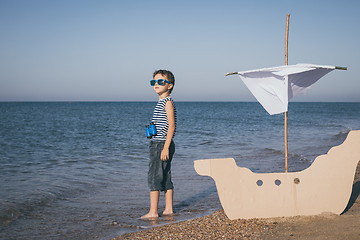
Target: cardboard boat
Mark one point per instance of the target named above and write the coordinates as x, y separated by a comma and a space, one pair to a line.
325, 186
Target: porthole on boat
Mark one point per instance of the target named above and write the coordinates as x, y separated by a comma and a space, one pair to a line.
277, 182
296, 180
259, 183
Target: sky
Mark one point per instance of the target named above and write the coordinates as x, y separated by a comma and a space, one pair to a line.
73, 50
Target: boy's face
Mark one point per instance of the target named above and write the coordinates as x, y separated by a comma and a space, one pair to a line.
161, 89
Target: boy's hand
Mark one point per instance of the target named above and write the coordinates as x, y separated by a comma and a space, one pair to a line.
164, 154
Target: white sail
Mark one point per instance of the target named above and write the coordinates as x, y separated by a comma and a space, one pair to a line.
274, 87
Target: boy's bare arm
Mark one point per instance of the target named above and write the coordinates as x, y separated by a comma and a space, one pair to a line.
169, 108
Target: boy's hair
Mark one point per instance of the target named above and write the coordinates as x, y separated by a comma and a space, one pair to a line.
170, 77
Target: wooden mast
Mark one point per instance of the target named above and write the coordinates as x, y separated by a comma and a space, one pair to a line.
286, 113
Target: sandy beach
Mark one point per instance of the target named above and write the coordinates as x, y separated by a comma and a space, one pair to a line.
217, 225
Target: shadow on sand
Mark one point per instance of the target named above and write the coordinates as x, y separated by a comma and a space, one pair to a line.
354, 195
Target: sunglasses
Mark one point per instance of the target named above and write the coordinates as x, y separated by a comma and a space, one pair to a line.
160, 82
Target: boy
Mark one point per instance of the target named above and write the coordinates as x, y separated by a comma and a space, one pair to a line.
162, 147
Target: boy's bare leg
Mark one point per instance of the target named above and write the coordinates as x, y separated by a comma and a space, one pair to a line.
169, 195
154, 201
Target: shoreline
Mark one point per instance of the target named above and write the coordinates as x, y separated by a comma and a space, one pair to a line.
217, 225
213, 226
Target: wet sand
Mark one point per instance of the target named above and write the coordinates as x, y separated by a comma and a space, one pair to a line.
217, 225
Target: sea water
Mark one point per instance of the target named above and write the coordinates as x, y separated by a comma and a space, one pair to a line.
78, 170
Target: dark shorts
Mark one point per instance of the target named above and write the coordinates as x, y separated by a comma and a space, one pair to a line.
159, 175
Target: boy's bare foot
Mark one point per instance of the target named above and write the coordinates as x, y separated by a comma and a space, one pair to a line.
167, 213
150, 216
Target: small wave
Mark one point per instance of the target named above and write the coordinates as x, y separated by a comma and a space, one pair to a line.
185, 204
273, 151
298, 157
206, 143
130, 226
9, 212
341, 135
298, 162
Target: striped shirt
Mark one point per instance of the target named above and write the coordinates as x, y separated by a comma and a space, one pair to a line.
160, 119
